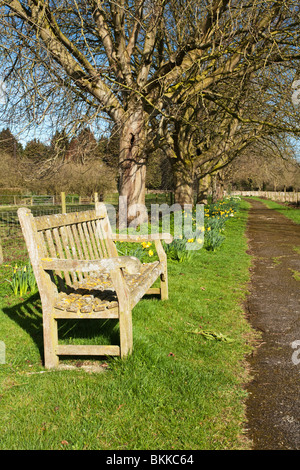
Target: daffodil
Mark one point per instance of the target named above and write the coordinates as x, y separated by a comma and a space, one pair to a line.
150, 253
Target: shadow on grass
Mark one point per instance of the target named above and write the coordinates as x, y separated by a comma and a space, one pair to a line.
28, 315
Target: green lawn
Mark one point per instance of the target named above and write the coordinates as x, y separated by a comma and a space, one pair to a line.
183, 387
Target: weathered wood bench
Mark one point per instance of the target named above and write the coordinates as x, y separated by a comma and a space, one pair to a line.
81, 276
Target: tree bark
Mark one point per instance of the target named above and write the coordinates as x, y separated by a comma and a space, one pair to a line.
132, 161
203, 183
184, 179
217, 188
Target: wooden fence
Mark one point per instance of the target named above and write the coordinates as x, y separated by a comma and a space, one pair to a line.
41, 200
280, 196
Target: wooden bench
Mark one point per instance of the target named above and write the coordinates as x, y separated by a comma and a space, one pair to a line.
81, 276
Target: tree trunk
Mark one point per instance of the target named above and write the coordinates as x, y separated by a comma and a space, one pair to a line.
184, 179
202, 189
133, 161
217, 188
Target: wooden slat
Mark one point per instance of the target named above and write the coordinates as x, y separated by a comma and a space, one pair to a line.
83, 242
73, 248
45, 222
153, 290
88, 241
53, 254
99, 246
79, 247
66, 247
100, 237
107, 236
92, 238
87, 350
101, 314
61, 253
147, 279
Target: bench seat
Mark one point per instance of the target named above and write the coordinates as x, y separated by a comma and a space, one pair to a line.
96, 295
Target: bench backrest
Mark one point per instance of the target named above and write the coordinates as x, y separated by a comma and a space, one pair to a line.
76, 235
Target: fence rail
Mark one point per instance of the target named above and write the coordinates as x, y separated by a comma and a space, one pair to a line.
57, 200
9, 221
281, 196
47, 204
40, 200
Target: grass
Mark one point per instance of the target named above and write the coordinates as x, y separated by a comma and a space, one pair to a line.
290, 212
181, 389
296, 274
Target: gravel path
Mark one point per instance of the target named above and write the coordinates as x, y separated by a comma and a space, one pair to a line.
273, 406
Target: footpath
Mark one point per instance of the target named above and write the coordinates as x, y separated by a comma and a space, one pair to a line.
273, 307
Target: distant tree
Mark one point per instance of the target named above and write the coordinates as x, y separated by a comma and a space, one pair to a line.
35, 150
59, 145
83, 147
10, 172
269, 164
9, 144
109, 148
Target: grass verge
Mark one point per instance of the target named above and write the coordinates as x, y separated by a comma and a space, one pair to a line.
290, 212
183, 387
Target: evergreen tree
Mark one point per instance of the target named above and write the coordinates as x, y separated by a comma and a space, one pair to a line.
35, 150
9, 144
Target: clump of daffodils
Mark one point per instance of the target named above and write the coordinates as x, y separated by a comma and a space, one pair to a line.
23, 280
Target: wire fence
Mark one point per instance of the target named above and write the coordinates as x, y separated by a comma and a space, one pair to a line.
10, 226
11, 237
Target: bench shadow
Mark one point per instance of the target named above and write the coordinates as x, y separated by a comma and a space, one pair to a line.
27, 314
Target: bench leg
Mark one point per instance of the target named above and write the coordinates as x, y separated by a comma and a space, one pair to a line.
126, 340
164, 286
50, 342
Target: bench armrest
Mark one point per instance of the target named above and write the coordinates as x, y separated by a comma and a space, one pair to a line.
130, 263
167, 237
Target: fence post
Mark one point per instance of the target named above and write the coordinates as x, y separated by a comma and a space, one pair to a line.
63, 203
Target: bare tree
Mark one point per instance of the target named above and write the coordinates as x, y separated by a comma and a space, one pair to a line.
79, 61
269, 163
237, 93
137, 62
